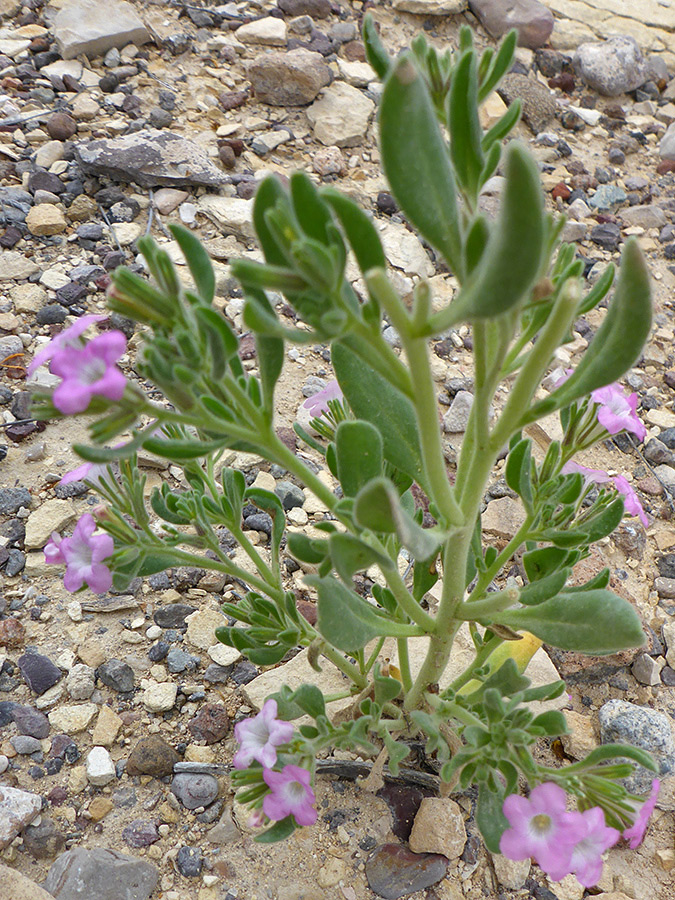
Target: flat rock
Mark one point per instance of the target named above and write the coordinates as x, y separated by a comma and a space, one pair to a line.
16, 266
612, 67
39, 672
46, 220
150, 158
431, 7
72, 719
84, 26
533, 20
17, 809
622, 722
503, 517
648, 216
394, 871
104, 874
201, 627
159, 697
341, 117
404, 250
16, 886
53, 515
231, 214
108, 726
268, 31
288, 79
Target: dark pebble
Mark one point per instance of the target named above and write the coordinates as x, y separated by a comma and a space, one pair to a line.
61, 126
259, 522
140, 834
71, 293
211, 724
72, 489
178, 660
10, 237
607, 235
160, 117
125, 798
216, 674
31, 722
393, 871
51, 314
173, 615
668, 676
41, 180
16, 562
116, 675
152, 756
12, 499
158, 651
43, 841
243, 672
290, 494
39, 672
189, 862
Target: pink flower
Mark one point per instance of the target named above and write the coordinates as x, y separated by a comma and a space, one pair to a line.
590, 476
539, 827
260, 736
592, 837
631, 502
82, 554
292, 795
88, 371
636, 832
618, 412
317, 404
91, 471
71, 337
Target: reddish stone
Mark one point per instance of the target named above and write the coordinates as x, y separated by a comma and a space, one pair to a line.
665, 166
308, 611
288, 437
564, 81
232, 99
561, 190
12, 632
650, 485
211, 723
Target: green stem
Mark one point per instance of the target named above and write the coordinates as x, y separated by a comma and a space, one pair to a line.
481, 658
424, 399
484, 609
257, 560
372, 659
522, 391
405, 600
226, 565
404, 663
486, 577
343, 664
284, 457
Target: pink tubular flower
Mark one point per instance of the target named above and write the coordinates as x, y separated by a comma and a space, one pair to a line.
260, 736
88, 371
71, 337
592, 837
317, 404
590, 476
539, 827
91, 471
631, 502
292, 795
82, 554
636, 832
618, 411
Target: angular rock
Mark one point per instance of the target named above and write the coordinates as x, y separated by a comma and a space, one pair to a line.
231, 214
17, 809
54, 515
626, 723
268, 31
117, 675
82, 26
140, 833
72, 719
39, 672
150, 158
105, 874
80, 682
46, 220
100, 767
108, 726
317, 9
16, 266
211, 723
438, 828
288, 79
612, 67
159, 697
152, 756
533, 20
44, 841
393, 871
341, 117
503, 517
650, 216
201, 630
457, 417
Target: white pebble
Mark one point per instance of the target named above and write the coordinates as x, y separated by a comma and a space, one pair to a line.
74, 610
153, 632
4, 763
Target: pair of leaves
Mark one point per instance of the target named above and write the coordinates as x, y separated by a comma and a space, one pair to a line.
379, 508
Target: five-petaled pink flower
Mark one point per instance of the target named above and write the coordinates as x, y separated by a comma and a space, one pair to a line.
631, 502
260, 736
88, 371
71, 337
636, 832
592, 836
82, 555
539, 827
317, 404
618, 411
291, 795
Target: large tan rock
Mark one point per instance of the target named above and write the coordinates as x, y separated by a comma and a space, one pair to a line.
16, 886
93, 28
46, 220
288, 79
54, 515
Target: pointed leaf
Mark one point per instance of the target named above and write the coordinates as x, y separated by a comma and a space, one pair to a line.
198, 260
596, 622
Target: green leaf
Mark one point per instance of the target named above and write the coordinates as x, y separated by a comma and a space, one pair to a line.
500, 65
612, 751
270, 351
198, 260
269, 195
222, 341
386, 688
348, 621
408, 124
604, 522
512, 258
310, 210
306, 549
503, 126
489, 817
181, 449
281, 830
378, 507
350, 554
544, 588
397, 752
463, 124
518, 471
361, 232
358, 446
425, 576
552, 723
271, 504
310, 700
541, 562
601, 580
373, 398
619, 340
376, 55
596, 622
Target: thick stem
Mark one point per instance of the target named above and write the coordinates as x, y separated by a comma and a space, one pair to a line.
404, 663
